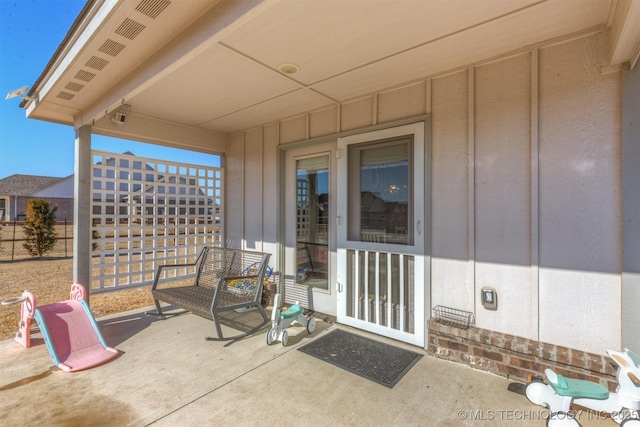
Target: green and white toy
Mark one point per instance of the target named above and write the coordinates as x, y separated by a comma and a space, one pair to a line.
560, 393
281, 320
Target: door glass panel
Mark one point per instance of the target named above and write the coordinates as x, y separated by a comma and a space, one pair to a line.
381, 173
312, 221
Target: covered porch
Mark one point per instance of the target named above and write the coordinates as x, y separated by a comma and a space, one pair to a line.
518, 126
167, 375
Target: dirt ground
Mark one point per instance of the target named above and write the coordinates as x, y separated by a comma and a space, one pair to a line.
50, 281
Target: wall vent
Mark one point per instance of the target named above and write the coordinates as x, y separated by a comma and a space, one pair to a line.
130, 29
111, 47
96, 63
85, 76
76, 87
152, 8
65, 95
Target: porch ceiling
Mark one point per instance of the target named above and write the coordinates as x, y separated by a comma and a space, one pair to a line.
213, 65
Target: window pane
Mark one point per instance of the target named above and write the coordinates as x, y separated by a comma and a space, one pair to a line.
312, 224
385, 172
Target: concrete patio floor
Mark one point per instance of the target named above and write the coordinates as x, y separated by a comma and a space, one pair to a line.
168, 375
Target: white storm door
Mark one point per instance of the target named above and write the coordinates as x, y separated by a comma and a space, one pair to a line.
381, 232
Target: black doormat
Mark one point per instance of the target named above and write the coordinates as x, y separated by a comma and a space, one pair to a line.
374, 360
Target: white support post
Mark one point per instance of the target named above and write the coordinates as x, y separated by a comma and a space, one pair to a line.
81, 209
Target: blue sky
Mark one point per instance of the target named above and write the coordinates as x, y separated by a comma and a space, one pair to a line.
30, 32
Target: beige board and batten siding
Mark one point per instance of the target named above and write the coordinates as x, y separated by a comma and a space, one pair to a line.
502, 198
270, 199
253, 191
525, 182
235, 209
451, 272
580, 196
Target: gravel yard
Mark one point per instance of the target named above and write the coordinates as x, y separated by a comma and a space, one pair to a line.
50, 281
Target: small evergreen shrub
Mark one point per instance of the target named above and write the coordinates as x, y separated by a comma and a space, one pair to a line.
39, 227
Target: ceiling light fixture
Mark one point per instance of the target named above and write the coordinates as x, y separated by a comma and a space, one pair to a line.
288, 68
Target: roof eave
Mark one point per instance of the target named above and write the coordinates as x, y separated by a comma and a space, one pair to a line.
78, 26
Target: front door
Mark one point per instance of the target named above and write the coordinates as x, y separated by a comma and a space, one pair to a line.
381, 241
309, 228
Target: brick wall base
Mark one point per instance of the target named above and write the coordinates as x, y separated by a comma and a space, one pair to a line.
515, 357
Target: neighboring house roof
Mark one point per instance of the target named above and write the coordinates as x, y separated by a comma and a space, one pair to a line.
26, 185
44, 186
64, 188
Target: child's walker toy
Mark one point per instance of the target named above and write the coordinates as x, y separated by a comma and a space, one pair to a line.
281, 320
561, 392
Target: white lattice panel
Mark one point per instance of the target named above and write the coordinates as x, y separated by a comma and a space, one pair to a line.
148, 212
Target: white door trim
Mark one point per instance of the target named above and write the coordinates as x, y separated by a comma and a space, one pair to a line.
416, 249
314, 298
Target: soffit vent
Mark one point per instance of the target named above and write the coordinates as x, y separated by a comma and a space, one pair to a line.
111, 47
65, 95
130, 29
152, 8
76, 87
96, 63
85, 76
